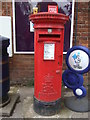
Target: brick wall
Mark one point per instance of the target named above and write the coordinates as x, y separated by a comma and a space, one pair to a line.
82, 28
22, 69
22, 66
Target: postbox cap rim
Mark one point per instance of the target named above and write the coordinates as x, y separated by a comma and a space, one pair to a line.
46, 16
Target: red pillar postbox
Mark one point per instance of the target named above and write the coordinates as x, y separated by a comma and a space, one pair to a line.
48, 38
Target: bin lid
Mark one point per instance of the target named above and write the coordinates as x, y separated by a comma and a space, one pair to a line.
4, 42
46, 17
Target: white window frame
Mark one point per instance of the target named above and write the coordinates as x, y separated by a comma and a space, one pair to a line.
14, 38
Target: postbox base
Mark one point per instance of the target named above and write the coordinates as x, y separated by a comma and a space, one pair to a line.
47, 108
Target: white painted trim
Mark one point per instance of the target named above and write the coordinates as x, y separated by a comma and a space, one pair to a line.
14, 38
72, 24
14, 32
24, 52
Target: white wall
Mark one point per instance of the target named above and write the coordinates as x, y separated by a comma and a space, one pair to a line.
6, 30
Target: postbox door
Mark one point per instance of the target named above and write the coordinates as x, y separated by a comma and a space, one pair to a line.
48, 64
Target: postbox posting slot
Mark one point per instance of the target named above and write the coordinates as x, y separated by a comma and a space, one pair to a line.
49, 37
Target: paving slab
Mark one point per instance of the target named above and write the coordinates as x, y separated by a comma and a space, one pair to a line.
24, 109
84, 115
30, 113
8, 109
64, 112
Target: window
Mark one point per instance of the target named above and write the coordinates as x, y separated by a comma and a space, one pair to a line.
23, 38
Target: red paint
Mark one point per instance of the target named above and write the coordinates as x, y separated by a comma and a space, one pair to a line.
49, 29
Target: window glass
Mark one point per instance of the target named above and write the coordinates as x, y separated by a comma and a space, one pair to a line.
24, 38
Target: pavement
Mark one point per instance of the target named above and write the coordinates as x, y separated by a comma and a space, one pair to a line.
24, 106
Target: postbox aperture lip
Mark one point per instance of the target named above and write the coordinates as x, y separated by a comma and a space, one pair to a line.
82, 48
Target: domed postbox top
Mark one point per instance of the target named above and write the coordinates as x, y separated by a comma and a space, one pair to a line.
48, 18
